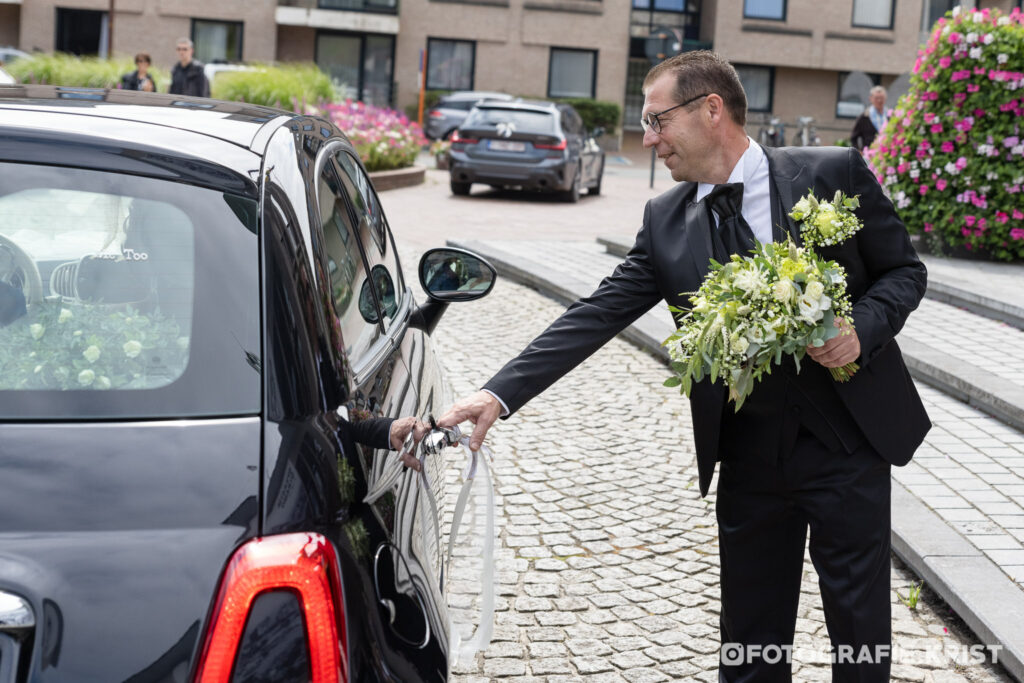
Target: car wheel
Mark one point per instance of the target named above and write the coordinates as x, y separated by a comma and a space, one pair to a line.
596, 189
460, 189
572, 195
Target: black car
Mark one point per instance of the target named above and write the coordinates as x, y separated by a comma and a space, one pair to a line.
530, 145
202, 310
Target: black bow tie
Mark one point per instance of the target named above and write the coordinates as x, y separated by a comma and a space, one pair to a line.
734, 235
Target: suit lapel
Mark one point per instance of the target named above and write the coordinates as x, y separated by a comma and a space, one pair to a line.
787, 175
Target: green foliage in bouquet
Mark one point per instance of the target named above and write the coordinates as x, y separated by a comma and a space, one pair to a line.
79, 72
288, 86
61, 345
951, 157
751, 311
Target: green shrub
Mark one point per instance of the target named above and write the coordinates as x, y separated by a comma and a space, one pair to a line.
430, 98
596, 113
79, 72
288, 86
951, 155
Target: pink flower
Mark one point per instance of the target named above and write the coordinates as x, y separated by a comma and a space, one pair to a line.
982, 224
965, 232
902, 168
944, 62
1010, 141
929, 117
970, 221
928, 227
971, 87
961, 163
955, 38
1017, 234
1017, 215
923, 190
1002, 217
946, 146
936, 128
941, 184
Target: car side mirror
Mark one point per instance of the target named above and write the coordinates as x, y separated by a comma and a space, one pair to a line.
597, 132
448, 274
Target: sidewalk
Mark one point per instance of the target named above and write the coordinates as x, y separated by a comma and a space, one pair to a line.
958, 507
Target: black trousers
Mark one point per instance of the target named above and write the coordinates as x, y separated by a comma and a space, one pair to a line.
764, 512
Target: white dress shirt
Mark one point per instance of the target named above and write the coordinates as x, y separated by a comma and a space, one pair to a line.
752, 171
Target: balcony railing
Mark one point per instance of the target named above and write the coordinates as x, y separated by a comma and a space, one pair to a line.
381, 6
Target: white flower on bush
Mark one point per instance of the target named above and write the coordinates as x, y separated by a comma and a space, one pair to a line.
91, 353
951, 168
988, 39
972, 37
975, 53
132, 348
36, 330
1003, 20
65, 315
926, 163
915, 173
86, 377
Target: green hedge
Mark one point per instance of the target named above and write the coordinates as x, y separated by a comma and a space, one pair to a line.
288, 86
80, 72
596, 113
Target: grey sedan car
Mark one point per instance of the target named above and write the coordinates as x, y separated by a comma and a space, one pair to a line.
451, 110
529, 145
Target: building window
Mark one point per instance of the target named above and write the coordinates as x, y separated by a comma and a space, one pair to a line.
931, 10
572, 73
361, 65
854, 93
758, 83
82, 32
386, 6
217, 41
668, 5
764, 9
450, 64
873, 13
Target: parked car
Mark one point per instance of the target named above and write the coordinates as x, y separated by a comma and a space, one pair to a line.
6, 78
443, 118
530, 145
200, 304
9, 54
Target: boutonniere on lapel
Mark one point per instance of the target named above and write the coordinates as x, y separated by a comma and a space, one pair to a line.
824, 223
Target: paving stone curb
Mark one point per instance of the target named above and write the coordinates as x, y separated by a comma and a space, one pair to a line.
980, 592
979, 388
401, 177
938, 289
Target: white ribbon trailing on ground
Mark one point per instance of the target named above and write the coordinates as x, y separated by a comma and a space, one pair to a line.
477, 469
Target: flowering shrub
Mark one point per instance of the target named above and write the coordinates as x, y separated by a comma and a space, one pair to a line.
952, 156
383, 138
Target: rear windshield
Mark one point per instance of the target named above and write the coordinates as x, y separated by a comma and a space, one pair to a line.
521, 121
124, 296
461, 105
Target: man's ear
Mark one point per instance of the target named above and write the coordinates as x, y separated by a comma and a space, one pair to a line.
715, 108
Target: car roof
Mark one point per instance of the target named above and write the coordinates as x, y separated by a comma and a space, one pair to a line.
475, 95
538, 106
238, 123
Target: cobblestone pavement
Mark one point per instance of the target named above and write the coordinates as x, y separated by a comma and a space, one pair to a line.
970, 469
608, 562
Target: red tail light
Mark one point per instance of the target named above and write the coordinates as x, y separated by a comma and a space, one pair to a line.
558, 147
458, 139
436, 114
303, 563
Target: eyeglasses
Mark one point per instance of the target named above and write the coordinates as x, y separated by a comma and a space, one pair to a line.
653, 121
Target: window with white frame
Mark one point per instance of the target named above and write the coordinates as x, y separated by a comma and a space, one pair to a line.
572, 73
450, 64
873, 13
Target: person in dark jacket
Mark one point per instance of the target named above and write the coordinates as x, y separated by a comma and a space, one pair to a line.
871, 121
140, 79
188, 78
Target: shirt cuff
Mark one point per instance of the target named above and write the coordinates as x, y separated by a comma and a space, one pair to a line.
504, 408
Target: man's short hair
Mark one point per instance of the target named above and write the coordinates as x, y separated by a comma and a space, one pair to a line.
703, 71
184, 41
878, 90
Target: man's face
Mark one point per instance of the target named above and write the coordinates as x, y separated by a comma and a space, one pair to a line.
184, 54
682, 143
878, 100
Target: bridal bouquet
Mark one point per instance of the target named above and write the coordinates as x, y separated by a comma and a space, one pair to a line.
752, 310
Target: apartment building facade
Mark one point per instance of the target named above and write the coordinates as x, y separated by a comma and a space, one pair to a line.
795, 57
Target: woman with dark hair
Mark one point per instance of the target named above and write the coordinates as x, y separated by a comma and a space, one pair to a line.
140, 79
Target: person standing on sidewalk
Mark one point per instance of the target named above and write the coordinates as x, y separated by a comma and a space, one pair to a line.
804, 452
140, 79
188, 78
869, 124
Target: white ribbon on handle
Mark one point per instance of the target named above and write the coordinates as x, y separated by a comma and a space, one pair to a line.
463, 650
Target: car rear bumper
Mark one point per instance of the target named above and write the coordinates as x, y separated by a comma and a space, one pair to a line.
532, 177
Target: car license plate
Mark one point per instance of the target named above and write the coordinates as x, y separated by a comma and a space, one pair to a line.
506, 145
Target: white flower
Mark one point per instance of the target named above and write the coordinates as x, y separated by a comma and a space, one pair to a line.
91, 354
183, 343
132, 348
785, 291
975, 53
951, 168
85, 377
103, 382
739, 344
1003, 20
972, 37
809, 309
38, 368
814, 289
36, 330
988, 39
749, 280
1002, 58
915, 173
65, 315
926, 163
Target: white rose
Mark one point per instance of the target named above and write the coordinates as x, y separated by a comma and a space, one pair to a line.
65, 315
132, 348
91, 354
739, 344
809, 309
37, 330
85, 377
103, 382
785, 291
814, 290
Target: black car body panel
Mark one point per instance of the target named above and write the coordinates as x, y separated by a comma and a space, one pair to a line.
120, 509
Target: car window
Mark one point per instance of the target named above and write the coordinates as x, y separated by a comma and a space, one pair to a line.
386, 274
461, 105
99, 278
346, 270
523, 121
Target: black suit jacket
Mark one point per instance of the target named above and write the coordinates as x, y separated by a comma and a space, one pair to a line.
885, 280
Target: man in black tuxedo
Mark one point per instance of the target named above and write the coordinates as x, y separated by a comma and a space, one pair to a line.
804, 452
